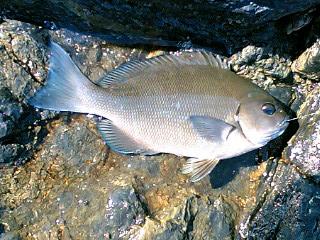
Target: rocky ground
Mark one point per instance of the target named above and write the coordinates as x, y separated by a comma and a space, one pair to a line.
58, 180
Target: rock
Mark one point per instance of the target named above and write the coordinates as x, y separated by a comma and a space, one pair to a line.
308, 63
123, 210
234, 24
22, 58
288, 207
304, 148
261, 66
21, 71
10, 112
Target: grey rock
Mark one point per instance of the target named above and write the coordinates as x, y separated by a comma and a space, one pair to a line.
234, 24
21, 71
22, 58
213, 220
69, 147
261, 66
198, 218
10, 112
123, 209
269, 71
9, 153
308, 63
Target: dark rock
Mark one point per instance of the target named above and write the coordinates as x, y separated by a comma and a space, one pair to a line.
288, 208
212, 220
10, 112
123, 209
13, 140
69, 148
9, 153
21, 71
228, 25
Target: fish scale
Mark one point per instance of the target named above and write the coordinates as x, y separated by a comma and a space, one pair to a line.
189, 104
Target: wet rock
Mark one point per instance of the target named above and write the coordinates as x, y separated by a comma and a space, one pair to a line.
213, 220
68, 150
308, 63
82, 208
234, 25
14, 145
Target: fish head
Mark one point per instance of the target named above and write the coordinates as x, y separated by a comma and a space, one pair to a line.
262, 118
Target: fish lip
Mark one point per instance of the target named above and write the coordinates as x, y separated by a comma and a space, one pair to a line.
277, 134
282, 127
284, 123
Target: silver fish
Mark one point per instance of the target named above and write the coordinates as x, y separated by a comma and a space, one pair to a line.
188, 104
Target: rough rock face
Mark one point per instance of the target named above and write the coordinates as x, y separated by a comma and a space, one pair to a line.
304, 147
225, 25
309, 62
58, 180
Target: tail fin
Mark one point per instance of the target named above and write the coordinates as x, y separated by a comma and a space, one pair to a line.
66, 89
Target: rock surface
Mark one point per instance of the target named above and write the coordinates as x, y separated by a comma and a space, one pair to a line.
225, 25
309, 62
58, 180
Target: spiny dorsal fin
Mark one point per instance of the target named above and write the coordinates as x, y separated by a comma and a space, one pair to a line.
198, 168
120, 141
132, 68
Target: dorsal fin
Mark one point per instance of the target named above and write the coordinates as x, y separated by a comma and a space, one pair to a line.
132, 68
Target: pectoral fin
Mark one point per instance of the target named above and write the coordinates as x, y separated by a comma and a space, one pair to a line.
198, 168
211, 128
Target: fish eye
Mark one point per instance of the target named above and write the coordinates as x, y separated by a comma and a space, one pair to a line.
268, 108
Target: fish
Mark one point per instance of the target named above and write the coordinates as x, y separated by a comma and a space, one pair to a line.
188, 103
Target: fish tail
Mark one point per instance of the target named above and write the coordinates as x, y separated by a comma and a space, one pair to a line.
66, 89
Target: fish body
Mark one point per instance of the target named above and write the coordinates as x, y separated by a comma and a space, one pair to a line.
188, 104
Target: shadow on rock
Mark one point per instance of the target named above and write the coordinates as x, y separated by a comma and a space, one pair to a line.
21, 130
227, 169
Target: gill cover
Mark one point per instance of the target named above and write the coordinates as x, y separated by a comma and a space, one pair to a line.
261, 118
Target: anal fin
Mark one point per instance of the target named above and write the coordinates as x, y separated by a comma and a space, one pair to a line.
198, 168
119, 141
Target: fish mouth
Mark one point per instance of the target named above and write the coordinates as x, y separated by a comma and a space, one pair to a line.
278, 133
281, 126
